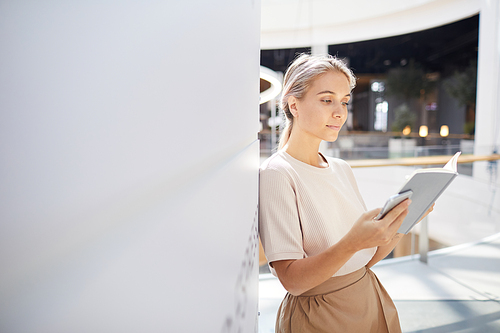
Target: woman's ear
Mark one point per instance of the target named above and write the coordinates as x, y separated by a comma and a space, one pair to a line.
292, 105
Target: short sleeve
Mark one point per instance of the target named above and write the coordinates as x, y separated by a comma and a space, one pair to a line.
279, 223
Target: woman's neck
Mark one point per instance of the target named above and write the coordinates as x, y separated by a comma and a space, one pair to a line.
307, 152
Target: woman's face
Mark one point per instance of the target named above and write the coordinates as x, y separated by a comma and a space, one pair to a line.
322, 111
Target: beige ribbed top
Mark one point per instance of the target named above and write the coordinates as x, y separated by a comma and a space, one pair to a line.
303, 210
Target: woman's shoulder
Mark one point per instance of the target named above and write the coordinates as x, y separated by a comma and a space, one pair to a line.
278, 168
276, 162
276, 173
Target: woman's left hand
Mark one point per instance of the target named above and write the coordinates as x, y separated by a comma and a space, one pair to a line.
427, 212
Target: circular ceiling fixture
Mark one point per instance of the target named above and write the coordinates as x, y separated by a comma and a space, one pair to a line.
273, 79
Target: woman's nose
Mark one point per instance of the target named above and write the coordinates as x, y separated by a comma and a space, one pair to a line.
338, 112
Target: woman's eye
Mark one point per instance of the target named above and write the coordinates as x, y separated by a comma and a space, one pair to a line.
327, 100
345, 103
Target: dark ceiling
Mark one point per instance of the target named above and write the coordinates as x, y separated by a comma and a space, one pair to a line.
443, 49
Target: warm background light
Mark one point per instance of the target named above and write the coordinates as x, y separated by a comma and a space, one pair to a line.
407, 130
423, 131
444, 131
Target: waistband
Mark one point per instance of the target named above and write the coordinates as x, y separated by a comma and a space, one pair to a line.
336, 283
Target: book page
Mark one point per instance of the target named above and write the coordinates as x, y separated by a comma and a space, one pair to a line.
450, 167
427, 185
452, 163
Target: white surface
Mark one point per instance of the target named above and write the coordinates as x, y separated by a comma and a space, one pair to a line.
416, 281
487, 131
296, 23
470, 272
129, 166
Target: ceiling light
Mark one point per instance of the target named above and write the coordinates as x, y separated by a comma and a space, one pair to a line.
272, 77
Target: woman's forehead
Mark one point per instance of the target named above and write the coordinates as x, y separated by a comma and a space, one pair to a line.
331, 82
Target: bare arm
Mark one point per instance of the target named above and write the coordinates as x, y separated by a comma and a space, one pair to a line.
298, 276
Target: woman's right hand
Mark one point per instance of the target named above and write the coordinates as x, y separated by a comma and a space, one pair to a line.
368, 232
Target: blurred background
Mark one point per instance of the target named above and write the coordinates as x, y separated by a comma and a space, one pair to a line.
428, 80
416, 91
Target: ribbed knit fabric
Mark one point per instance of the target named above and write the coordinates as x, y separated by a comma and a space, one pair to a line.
303, 210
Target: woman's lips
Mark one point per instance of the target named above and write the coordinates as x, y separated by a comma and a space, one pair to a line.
334, 127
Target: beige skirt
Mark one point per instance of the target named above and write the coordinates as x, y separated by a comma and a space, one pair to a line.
355, 302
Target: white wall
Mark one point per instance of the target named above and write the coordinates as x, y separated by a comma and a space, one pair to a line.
487, 130
128, 173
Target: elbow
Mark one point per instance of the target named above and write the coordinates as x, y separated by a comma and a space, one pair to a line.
296, 292
293, 289
289, 280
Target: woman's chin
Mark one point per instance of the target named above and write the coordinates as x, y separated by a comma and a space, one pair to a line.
332, 138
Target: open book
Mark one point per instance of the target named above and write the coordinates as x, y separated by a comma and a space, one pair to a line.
427, 185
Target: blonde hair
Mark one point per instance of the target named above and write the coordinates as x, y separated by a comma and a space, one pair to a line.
299, 76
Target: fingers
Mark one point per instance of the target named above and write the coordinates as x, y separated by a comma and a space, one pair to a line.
402, 208
396, 216
427, 212
373, 213
370, 232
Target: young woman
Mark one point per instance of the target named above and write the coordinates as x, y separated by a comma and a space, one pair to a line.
318, 237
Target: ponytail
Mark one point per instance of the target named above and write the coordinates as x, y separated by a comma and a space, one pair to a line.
285, 134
